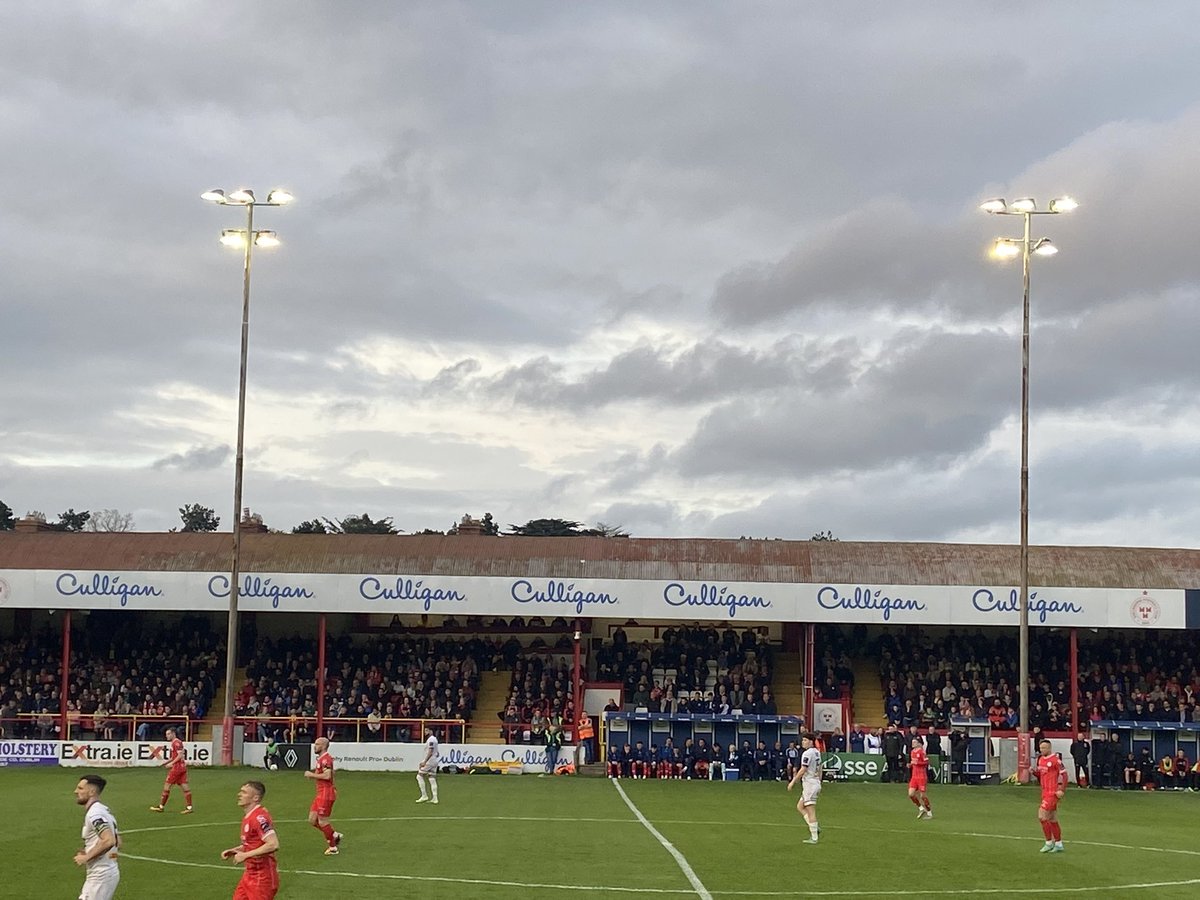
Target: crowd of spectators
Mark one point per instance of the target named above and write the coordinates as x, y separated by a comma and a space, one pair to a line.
382, 678
122, 682
931, 675
693, 669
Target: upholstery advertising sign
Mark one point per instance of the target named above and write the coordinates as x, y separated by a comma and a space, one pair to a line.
28, 753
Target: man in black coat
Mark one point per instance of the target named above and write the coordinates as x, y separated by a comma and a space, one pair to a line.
893, 751
1081, 750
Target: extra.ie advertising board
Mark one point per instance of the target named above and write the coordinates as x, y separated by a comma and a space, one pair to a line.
961, 605
129, 753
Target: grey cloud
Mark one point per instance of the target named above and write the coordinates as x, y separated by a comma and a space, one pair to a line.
196, 459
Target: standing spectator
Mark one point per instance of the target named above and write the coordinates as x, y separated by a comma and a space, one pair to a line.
893, 750
1081, 750
586, 736
873, 743
958, 756
554, 739
1100, 763
857, 739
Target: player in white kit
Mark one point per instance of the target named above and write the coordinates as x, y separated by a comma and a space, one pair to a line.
427, 770
101, 841
809, 776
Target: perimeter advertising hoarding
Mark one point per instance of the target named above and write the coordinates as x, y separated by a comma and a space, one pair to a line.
28, 753
399, 757
960, 605
129, 753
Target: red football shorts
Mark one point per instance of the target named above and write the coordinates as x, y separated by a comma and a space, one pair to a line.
177, 776
323, 807
918, 783
1049, 802
257, 885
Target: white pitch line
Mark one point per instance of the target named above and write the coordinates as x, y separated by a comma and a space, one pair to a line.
591, 888
682, 862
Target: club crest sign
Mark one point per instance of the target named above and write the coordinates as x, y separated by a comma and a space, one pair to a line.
1145, 610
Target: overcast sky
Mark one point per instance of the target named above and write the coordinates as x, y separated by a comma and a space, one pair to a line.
693, 269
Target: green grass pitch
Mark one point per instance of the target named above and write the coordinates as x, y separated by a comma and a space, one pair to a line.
524, 837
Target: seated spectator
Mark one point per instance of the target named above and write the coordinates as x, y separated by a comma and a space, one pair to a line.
1132, 773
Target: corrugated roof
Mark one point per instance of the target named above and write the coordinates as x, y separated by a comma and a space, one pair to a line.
687, 559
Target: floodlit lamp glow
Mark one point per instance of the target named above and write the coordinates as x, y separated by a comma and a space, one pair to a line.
995, 205
1044, 248
216, 195
266, 239
280, 197
1005, 249
1062, 204
242, 195
1024, 205
233, 237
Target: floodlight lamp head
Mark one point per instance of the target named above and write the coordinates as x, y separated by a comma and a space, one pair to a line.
242, 195
995, 205
280, 197
266, 239
216, 195
1044, 247
1005, 249
1063, 204
1024, 205
233, 237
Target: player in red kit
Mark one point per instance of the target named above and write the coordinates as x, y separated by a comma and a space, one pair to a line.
322, 805
1053, 777
918, 782
176, 774
260, 880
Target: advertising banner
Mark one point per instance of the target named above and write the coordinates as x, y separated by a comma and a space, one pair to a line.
869, 766
129, 753
733, 601
384, 757
28, 753
291, 756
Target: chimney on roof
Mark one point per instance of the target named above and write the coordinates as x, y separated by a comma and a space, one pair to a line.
470, 526
252, 523
32, 523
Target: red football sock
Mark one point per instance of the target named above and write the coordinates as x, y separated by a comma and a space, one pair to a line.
928, 805
326, 830
916, 800
1056, 831
1046, 830
187, 797
162, 801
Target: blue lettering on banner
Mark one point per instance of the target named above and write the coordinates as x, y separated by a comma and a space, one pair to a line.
675, 594
371, 588
257, 586
28, 753
68, 584
829, 597
987, 602
559, 592
453, 756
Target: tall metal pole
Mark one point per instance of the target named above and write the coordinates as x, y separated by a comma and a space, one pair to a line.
1023, 599
231, 642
